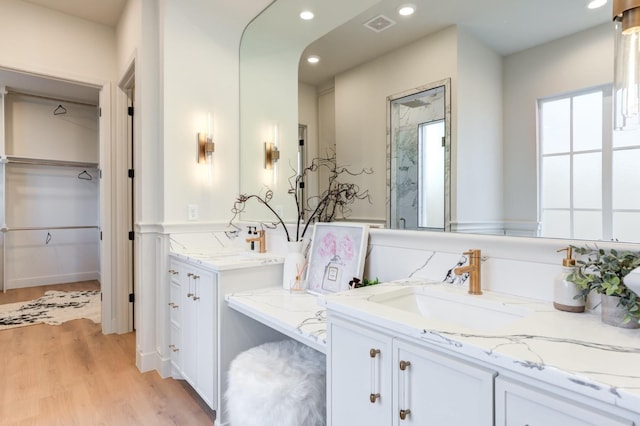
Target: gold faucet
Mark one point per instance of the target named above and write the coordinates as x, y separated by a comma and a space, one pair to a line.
473, 268
260, 239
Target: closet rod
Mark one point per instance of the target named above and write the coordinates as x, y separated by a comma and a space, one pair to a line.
44, 228
43, 162
17, 92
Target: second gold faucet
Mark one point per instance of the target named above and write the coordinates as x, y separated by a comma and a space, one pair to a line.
473, 268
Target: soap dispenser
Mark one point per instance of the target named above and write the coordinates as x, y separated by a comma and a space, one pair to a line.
565, 292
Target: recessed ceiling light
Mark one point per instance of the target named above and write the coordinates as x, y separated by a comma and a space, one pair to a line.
313, 59
307, 15
594, 4
406, 9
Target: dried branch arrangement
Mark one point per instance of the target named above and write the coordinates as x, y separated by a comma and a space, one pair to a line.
332, 204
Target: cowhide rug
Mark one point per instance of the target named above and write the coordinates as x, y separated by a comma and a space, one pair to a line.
54, 308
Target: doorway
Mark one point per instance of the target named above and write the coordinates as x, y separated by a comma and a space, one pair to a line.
50, 195
418, 156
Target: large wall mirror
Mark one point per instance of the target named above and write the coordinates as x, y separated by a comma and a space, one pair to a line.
502, 58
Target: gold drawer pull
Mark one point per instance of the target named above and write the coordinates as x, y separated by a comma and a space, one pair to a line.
404, 389
374, 380
173, 305
404, 414
173, 348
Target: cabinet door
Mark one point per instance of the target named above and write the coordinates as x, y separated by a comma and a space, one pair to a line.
521, 404
431, 388
205, 328
360, 376
189, 329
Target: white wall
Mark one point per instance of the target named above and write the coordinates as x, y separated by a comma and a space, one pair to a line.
44, 41
200, 77
576, 62
360, 99
477, 155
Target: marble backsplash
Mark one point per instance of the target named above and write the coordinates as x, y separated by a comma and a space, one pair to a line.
518, 266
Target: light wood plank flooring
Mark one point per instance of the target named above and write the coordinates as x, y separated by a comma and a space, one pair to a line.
72, 374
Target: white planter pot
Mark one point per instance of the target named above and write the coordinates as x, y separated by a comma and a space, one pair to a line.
613, 314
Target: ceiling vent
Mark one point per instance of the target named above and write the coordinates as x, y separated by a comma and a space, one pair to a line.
379, 23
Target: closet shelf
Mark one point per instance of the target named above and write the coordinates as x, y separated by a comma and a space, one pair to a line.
44, 162
46, 228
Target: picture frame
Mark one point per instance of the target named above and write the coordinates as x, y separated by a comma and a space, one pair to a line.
337, 255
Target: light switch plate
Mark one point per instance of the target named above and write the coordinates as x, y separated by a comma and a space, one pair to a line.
193, 211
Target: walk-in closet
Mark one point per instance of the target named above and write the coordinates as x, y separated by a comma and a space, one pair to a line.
49, 182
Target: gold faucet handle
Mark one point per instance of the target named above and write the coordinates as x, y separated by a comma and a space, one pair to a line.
472, 253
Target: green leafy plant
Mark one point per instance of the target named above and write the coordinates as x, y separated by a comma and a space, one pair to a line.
367, 281
603, 271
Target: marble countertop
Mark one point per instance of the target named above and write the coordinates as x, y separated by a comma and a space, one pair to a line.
226, 260
295, 314
573, 351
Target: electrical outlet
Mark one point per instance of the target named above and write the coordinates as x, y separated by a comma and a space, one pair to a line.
193, 211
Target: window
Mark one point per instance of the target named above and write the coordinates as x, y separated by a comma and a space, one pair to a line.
589, 175
431, 179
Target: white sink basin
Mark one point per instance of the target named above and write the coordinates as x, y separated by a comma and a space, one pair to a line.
476, 312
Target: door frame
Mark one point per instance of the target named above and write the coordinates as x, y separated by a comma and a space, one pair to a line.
123, 213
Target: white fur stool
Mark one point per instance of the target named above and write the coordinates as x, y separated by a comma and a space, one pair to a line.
277, 384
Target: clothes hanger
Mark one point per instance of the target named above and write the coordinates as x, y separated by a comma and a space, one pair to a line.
60, 110
84, 175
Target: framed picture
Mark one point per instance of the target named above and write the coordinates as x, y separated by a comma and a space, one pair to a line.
337, 255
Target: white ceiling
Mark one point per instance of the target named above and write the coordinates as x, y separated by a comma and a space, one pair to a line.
106, 12
507, 26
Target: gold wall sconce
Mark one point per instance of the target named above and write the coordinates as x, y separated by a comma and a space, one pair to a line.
206, 147
626, 80
271, 155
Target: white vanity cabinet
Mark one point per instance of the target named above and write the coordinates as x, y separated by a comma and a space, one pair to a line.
197, 326
518, 403
376, 379
431, 387
204, 334
198, 331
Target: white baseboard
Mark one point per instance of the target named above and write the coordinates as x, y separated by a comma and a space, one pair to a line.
51, 279
164, 367
147, 361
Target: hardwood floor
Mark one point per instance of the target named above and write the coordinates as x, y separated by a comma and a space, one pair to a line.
30, 293
72, 374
